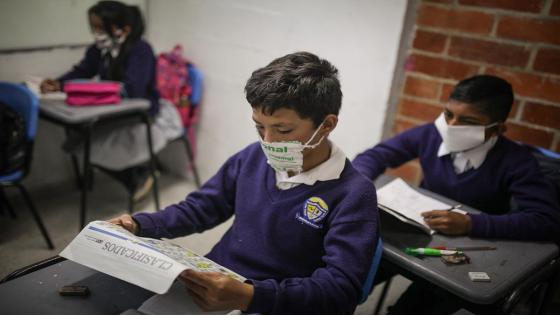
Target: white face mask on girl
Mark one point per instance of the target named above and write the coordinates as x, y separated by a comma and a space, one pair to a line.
287, 156
106, 43
461, 138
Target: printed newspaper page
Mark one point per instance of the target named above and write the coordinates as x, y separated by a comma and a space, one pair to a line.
149, 263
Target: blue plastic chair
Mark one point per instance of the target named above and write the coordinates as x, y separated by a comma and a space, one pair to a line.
21, 100
196, 82
368, 285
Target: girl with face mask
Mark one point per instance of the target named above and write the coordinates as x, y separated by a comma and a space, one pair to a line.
120, 54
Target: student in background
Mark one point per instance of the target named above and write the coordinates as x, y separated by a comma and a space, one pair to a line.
465, 156
120, 54
306, 222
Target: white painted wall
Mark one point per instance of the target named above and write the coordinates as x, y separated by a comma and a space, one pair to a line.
230, 39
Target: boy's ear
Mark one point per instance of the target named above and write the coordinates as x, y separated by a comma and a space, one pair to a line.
330, 123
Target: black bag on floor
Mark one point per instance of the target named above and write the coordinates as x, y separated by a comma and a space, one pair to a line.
12, 140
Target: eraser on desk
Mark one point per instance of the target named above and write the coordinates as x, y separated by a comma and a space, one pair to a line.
479, 276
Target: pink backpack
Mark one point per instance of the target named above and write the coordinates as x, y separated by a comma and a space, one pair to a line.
173, 82
90, 93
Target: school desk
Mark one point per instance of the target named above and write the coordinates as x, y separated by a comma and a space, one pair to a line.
515, 267
84, 120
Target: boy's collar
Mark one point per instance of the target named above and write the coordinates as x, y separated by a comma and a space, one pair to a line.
463, 161
328, 170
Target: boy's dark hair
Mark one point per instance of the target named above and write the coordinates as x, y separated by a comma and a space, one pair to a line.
489, 95
114, 13
299, 81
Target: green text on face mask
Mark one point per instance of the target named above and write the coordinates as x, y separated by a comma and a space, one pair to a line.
275, 149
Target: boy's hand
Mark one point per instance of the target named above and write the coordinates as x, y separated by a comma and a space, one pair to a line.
50, 85
448, 222
213, 291
126, 222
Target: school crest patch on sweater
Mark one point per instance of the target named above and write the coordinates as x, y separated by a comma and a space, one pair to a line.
314, 211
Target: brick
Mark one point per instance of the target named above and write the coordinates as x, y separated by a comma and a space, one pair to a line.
421, 87
515, 5
469, 21
446, 91
514, 109
489, 52
555, 8
429, 41
531, 85
548, 60
419, 110
529, 135
540, 114
536, 30
402, 125
410, 172
439, 67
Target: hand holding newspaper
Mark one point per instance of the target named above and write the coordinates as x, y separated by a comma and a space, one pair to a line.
407, 204
149, 263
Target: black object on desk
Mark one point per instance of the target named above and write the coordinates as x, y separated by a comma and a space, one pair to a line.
515, 267
35, 291
83, 120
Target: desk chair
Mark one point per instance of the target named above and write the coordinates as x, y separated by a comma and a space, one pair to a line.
190, 120
21, 100
368, 285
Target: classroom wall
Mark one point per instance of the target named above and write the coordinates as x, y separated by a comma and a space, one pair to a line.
453, 39
230, 39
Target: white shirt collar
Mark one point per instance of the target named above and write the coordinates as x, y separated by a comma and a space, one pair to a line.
328, 170
473, 158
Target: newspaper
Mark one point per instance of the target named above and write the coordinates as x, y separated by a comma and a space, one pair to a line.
149, 263
407, 204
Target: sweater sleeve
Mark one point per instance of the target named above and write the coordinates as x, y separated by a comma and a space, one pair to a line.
335, 288
139, 71
390, 153
203, 209
87, 68
537, 216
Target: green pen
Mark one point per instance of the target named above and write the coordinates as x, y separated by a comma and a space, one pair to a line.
430, 251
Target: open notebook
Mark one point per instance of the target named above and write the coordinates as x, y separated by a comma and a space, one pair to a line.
406, 204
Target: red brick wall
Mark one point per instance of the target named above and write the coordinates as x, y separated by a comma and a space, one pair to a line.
518, 40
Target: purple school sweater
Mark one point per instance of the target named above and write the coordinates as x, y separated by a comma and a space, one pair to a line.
509, 171
139, 75
306, 250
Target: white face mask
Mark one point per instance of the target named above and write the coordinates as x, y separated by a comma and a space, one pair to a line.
287, 156
105, 43
461, 138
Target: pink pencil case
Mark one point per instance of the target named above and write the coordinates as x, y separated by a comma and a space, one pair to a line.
91, 93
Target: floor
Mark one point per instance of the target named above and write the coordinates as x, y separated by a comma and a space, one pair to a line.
22, 244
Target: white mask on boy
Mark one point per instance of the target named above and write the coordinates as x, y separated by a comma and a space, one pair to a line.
288, 156
461, 138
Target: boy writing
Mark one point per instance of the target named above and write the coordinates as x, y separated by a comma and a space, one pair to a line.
465, 157
306, 222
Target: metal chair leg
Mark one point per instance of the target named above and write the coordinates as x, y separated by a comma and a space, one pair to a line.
86, 176
147, 121
190, 156
5, 202
386, 287
130, 203
35, 214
